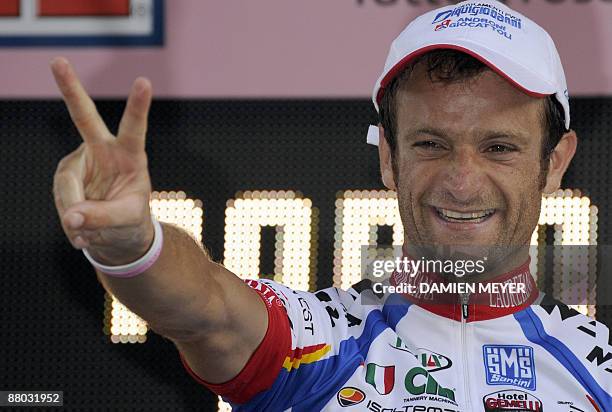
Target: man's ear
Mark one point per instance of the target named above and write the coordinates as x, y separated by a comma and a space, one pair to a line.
560, 159
386, 160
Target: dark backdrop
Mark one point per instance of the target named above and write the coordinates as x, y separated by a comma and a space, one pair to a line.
51, 315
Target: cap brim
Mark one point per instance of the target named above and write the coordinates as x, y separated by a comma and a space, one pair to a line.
518, 76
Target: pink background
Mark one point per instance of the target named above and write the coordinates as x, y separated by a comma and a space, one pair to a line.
291, 48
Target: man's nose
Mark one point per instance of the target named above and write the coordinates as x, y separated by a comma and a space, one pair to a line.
463, 176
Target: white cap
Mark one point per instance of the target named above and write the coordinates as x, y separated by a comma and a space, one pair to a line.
509, 43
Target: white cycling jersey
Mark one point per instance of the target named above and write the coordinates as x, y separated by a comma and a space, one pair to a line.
331, 350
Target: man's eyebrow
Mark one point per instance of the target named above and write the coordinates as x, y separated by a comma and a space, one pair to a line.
517, 137
432, 131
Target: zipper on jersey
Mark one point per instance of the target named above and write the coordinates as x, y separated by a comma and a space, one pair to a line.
464, 299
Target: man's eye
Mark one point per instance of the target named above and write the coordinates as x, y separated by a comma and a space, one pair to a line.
500, 148
429, 144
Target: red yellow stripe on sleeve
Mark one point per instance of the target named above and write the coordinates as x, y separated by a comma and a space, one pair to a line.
307, 354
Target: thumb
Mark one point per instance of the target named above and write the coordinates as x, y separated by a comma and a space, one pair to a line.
128, 211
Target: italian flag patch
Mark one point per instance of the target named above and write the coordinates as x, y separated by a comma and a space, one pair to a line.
382, 378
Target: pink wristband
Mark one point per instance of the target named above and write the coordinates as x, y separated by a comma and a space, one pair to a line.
135, 268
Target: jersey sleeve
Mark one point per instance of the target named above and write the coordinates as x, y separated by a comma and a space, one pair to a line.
308, 348
262, 367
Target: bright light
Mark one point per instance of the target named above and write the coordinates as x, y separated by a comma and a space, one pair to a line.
575, 224
120, 323
358, 214
293, 217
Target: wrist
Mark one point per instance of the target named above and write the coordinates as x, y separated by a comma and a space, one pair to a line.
138, 262
130, 249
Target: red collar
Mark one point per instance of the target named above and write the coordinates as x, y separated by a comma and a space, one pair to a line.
490, 299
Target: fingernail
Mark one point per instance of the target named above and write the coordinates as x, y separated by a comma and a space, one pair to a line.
75, 220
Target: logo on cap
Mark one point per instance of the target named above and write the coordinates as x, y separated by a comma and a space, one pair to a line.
443, 25
480, 9
442, 15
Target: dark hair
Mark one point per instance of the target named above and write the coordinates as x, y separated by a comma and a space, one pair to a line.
449, 66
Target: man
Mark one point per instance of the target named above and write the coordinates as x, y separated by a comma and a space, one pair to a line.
474, 128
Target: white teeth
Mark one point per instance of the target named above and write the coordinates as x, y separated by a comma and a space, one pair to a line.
471, 216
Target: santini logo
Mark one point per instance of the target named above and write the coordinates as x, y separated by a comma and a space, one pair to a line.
510, 365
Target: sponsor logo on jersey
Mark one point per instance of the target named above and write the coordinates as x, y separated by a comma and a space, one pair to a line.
511, 400
382, 378
433, 361
266, 291
421, 407
430, 360
418, 381
306, 315
349, 396
511, 365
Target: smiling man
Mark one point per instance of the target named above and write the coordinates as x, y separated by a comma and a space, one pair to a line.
470, 152
464, 151
474, 128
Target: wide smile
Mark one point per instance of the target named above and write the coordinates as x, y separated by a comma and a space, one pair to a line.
464, 217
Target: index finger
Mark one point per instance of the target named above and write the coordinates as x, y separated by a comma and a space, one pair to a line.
80, 106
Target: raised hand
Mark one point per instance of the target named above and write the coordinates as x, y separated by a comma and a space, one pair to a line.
102, 189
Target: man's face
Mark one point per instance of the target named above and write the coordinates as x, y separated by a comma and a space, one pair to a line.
467, 161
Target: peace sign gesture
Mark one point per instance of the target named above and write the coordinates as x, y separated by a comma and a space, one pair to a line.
102, 189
